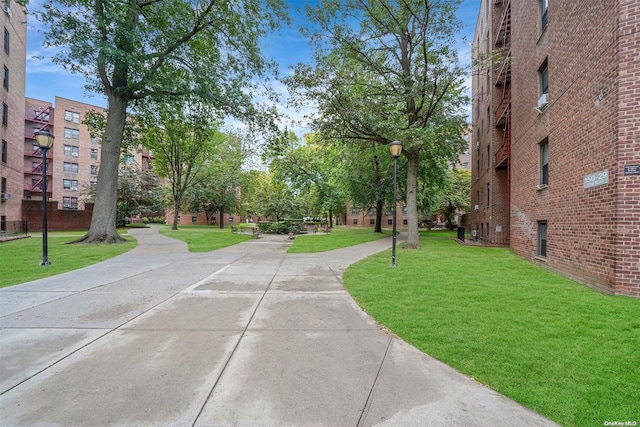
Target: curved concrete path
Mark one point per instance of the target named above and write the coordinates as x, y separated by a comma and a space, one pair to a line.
246, 335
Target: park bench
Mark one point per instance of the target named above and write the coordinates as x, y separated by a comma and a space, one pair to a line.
235, 229
326, 229
257, 233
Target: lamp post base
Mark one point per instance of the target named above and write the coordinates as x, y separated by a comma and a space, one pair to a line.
45, 262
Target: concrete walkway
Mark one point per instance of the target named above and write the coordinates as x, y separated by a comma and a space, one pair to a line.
246, 335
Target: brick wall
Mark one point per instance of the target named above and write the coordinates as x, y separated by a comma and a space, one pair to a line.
57, 220
13, 97
592, 124
627, 233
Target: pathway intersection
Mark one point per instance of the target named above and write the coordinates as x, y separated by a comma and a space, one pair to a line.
246, 335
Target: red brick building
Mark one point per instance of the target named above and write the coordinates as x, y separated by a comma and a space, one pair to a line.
72, 162
13, 53
556, 158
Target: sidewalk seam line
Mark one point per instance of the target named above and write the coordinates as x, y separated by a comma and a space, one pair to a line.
374, 386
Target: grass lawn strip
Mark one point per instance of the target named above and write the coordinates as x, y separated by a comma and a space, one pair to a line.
340, 237
21, 258
558, 347
204, 238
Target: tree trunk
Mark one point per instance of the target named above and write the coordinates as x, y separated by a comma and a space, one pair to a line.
176, 214
221, 210
379, 207
413, 237
103, 220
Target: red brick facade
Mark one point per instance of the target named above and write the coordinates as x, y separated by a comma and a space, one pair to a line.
57, 219
588, 206
13, 53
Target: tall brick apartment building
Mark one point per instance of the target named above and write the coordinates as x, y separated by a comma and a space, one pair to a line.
13, 54
74, 159
556, 140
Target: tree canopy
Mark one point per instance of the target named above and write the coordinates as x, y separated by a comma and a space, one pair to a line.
134, 50
386, 71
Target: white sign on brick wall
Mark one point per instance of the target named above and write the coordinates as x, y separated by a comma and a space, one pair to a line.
595, 179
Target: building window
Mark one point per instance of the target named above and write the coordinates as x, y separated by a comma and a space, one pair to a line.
70, 184
542, 239
94, 170
71, 133
372, 222
543, 73
355, 211
70, 167
389, 222
3, 185
488, 156
93, 184
488, 194
70, 202
405, 222
230, 220
6, 41
3, 223
128, 159
355, 221
71, 151
70, 116
544, 8
94, 140
544, 162
5, 114
4, 151
194, 219
5, 78
94, 154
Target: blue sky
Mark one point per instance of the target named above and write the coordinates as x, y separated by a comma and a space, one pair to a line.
45, 80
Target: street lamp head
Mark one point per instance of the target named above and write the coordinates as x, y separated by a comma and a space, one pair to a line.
395, 148
44, 139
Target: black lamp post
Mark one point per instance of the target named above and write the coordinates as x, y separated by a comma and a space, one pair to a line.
45, 141
395, 148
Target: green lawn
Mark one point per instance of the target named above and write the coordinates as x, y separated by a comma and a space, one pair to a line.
20, 259
558, 347
205, 238
340, 237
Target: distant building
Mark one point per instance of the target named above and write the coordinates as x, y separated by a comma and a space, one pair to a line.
556, 151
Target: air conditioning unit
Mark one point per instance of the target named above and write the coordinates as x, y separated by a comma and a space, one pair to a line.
5, 196
474, 233
541, 186
477, 208
74, 154
6, 9
543, 100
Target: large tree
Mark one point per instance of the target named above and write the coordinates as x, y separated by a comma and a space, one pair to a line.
218, 190
184, 140
133, 50
393, 76
312, 169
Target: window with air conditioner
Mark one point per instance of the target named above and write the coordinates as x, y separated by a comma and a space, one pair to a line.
71, 151
543, 76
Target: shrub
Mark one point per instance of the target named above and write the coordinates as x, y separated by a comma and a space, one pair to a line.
284, 227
